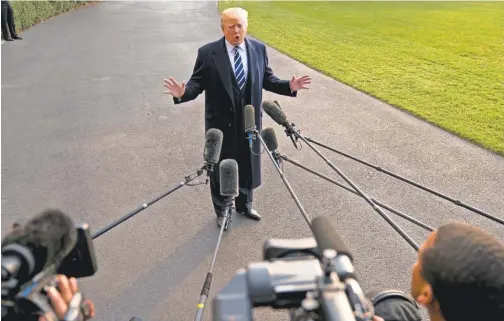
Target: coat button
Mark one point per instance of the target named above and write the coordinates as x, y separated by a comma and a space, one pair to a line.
229, 124
230, 109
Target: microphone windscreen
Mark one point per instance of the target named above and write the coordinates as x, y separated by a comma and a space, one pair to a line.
275, 112
213, 145
327, 237
249, 118
269, 137
228, 176
50, 236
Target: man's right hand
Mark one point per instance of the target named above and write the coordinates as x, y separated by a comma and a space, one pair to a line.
174, 88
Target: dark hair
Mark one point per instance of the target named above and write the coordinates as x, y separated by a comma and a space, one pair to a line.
465, 267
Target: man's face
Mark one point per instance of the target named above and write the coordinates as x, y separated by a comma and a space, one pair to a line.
420, 289
234, 28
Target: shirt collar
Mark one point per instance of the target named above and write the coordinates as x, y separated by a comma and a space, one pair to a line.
230, 47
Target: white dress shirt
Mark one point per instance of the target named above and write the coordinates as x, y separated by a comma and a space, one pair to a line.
243, 53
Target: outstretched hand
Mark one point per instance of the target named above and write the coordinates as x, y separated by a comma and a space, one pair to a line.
299, 83
174, 88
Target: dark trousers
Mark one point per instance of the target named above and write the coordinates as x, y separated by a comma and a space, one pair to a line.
8, 21
245, 196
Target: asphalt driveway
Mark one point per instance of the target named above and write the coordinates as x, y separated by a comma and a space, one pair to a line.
86, 128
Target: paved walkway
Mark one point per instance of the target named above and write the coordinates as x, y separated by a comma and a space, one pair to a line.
86, 128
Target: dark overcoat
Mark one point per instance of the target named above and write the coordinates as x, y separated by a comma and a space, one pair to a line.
213, 74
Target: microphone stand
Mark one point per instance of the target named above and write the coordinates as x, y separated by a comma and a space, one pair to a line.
418, 185
407, 217
187, 180
290, 131
282, 176
208, 281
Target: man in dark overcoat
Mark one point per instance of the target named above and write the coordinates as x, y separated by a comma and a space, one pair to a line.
232, 72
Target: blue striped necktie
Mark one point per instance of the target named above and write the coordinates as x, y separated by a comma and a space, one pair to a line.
239, 70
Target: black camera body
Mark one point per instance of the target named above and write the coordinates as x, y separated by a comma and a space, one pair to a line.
81, 262
296, 275
24, 297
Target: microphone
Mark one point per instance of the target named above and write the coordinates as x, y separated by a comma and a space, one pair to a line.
268, 134
228, 176
328, 238
276, 113
228, 170
269, 137
45, 240
249, 123
338, 258
212, 150
31, 257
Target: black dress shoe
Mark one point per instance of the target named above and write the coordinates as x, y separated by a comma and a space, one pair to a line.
251, 213
9, 39
17, 37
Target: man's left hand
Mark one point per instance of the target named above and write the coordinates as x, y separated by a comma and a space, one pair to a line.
299, 83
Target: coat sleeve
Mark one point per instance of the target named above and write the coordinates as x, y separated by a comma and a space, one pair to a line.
196, 84
273, 83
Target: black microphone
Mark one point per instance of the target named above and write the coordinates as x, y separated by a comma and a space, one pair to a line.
276, 113
228, 177
212, 150
249, 123
31, 256
338, 258
268, 134
269, 137
228, 170
328, 238
44, 240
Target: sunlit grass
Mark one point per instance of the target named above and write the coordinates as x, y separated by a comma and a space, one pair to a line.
441, 61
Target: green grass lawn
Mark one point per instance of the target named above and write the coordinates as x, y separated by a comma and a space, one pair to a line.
29, 13
441, 61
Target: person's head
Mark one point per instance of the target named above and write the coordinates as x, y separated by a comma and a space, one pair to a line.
234, 22
459, 275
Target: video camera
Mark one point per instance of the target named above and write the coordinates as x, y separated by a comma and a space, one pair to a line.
34, 254
312, 277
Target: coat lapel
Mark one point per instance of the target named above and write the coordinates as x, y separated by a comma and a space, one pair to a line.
253, 67
222, 64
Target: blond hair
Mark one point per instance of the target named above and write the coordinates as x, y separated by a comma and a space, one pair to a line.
240, 12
